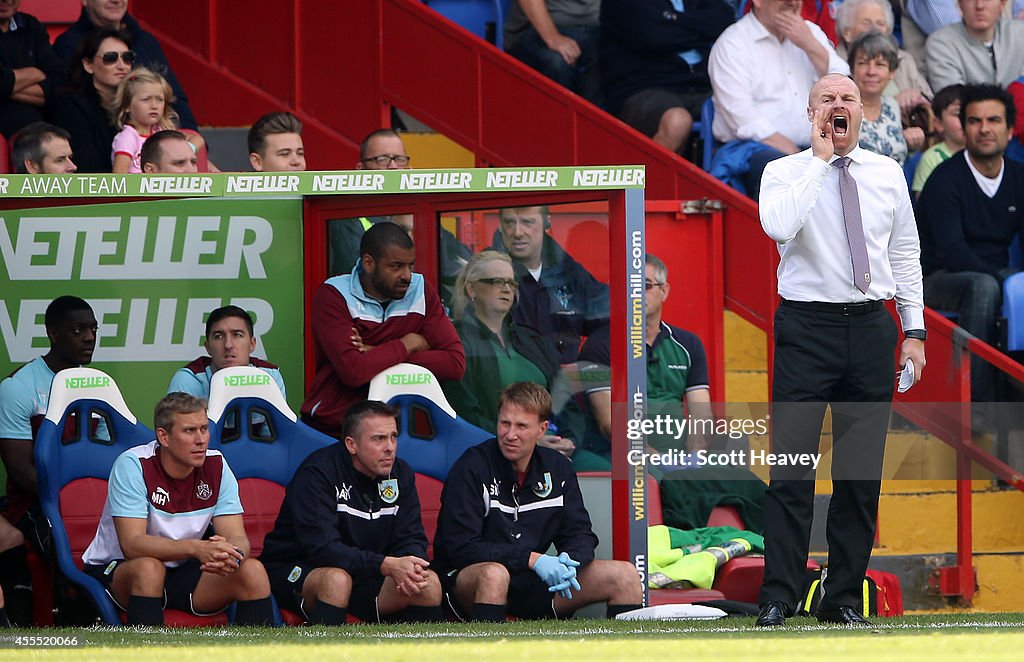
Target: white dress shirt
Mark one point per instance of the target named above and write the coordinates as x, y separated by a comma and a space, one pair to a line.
761, 84
801, 209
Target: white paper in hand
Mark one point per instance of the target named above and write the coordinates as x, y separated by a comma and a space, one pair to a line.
906, 377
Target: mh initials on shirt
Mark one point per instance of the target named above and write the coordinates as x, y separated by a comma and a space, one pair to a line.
160, 496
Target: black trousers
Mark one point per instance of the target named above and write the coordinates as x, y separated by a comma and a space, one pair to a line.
825, 355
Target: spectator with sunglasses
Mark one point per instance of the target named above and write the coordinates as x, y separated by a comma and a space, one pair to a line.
498, 350
101, 14
104, 58
29, 69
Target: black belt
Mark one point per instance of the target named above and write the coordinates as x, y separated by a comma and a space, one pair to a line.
859, 308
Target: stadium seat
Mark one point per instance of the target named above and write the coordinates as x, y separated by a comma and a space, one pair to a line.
429, 491
707, 138
1013, 311
484, 18
73, 462
431, 437
1016, 253
264, 451
910, 167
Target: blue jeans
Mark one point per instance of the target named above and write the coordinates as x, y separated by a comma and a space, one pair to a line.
583, 78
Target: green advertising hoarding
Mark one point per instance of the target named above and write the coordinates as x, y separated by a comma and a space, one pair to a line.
152, 271
355, 182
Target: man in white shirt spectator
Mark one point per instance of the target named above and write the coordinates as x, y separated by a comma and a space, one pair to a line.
762, 69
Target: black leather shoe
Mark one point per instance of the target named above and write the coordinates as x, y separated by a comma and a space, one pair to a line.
843, 615
772, 615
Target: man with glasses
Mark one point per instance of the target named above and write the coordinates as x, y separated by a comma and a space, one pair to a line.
149, 54
383, 150
677, 373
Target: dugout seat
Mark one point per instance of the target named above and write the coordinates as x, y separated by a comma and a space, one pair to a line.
73, 462
431, 436
739, 579
429, 491
264, 449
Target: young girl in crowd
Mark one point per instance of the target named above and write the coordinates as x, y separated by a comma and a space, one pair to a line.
142, 107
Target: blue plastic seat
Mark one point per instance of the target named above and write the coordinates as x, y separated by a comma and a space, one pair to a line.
265, 449
484, 18
707, 138
431, 437
87, 426
1013, 311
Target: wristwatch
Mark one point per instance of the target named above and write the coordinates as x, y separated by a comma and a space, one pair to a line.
916, 334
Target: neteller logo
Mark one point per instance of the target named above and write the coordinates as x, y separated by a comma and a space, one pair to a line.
408, 378
86, 382
247, 380
160, 497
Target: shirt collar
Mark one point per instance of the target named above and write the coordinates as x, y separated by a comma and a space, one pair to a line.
757, 28
857, 155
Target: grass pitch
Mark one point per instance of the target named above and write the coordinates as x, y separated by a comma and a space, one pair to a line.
962, 637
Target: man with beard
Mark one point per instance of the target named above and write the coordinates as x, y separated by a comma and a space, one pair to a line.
24, 396
364, 322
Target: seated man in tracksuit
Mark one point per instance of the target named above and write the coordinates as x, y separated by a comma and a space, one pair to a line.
349, 535
505, 502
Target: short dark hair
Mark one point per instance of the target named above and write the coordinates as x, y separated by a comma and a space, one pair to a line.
379, 133
545, 213
873, 44
225, 312
153, 148
528, 396
945, 97
175, 403
382, 235
63, 306
28, 144
358, 412
271, 124
975, 93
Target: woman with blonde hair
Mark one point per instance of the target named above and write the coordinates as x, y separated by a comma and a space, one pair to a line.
498, 351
